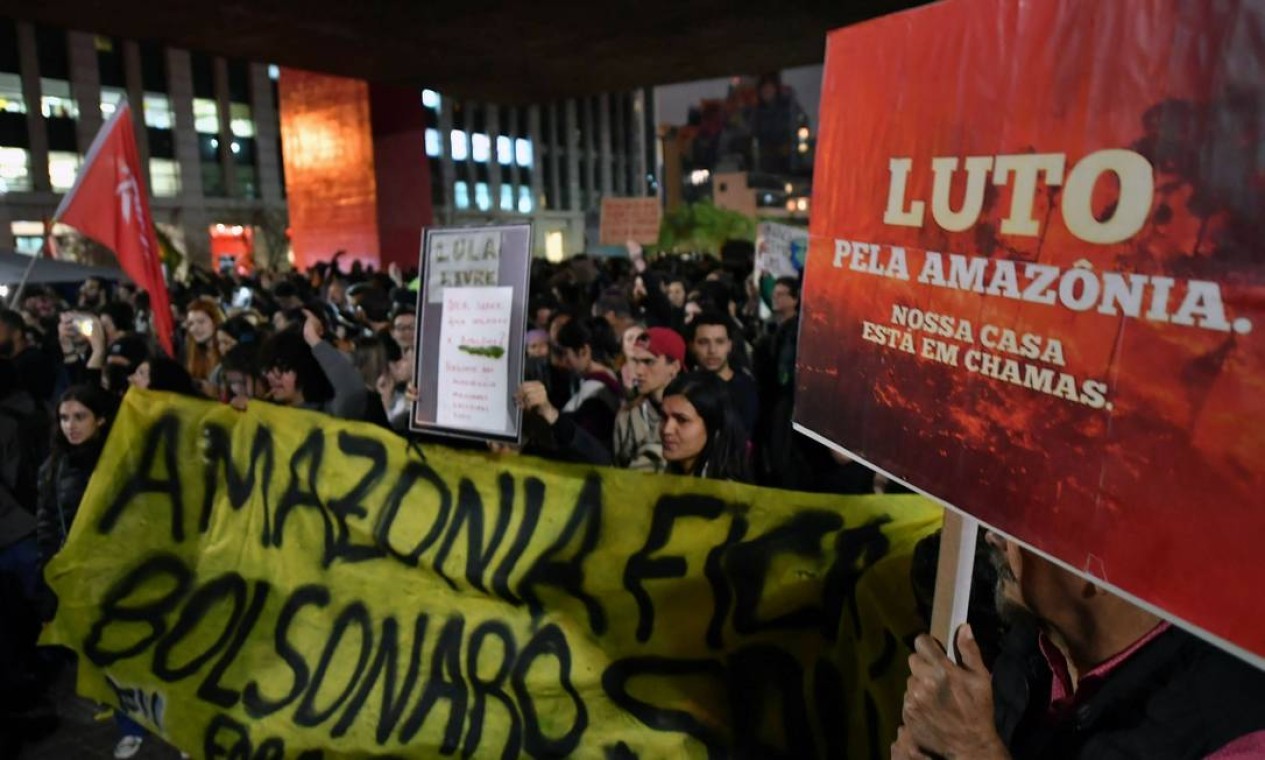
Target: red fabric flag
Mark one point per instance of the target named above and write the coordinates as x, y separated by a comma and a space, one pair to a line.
109, 203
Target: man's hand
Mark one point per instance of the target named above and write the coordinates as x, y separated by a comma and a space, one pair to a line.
533, 397
905, 749
948, 708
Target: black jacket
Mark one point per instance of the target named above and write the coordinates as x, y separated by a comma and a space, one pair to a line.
1176, 698
63, 480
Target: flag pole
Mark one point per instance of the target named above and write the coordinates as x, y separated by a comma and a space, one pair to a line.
16, 298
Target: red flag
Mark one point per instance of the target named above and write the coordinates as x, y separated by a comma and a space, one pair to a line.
109, 204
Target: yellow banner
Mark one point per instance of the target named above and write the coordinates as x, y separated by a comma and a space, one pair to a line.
277, 584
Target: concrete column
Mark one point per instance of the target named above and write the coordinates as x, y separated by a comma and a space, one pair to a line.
193, 217
491, 123
447, 170
514, 130
605, 160
590, 152
637, 121
570, 145
136, 99
531, 130
37, 133
85, 86
267, 153
552, 154
227, 164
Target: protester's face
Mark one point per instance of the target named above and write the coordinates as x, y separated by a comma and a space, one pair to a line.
402, 370
711, 347
684, 432
200, 326
653, 373
555, 357
337, 293
90, 290
140, 378
538, 348
577, 361
280, 322
239, 385
542, 317
784, 303
404, 330
676, 294
77, 421
631, 336
283, 386
224, 342
1028, 586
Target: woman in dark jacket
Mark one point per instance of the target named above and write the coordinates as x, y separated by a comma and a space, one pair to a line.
83, 417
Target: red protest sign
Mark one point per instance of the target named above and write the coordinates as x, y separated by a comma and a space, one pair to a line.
625, 219
1036, 287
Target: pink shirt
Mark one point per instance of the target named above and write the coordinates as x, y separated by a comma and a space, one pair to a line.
1063, 698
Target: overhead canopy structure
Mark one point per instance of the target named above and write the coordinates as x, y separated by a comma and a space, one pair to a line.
499, 52
48, 271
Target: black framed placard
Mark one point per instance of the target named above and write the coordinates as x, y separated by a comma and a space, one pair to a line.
471, 327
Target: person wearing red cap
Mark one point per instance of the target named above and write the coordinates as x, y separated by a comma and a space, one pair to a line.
657, 358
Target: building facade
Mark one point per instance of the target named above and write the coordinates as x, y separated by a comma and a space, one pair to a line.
210, 138
206, 129
551, 163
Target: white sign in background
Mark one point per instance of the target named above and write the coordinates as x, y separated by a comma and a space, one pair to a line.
474, 340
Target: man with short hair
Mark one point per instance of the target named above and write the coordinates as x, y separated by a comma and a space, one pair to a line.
404, 327
658, 358
712, 337
785, 299
1083, 673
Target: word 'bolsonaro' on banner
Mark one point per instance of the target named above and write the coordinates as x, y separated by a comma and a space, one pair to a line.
1036, 283
279, 583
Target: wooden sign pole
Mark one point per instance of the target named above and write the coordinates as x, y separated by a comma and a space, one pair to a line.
953, 577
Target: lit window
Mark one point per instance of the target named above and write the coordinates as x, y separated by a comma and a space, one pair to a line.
504, 150
274, 72
460, 149
432, 143
522, 151
507, 198
480, 148
15, 170
110, 99
11, 100
164, 177
524, 200
240, 122
461, 195
206, 116
62, 168
158, 111
55, 100
483, 196
430, 99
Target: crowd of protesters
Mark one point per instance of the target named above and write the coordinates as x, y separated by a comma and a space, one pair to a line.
680, 365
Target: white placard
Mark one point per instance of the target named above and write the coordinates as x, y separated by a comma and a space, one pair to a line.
461, 259
474, 342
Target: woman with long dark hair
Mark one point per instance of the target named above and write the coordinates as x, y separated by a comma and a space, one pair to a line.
702, 433
83, 419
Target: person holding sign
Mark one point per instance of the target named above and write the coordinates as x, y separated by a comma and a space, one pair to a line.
1083, 673
703, 435
584, 427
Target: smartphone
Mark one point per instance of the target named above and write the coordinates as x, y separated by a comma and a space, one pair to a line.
84, 326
